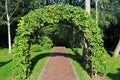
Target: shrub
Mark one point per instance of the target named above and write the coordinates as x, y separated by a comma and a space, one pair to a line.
46, 42
36, 48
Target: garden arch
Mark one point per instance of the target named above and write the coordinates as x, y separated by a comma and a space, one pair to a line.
50, 15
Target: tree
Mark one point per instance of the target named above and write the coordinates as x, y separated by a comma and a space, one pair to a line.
87, 9
85, 46
106, 17
8, 21
116, 10
117, 50
8, 24
96, 7
11, 11
109, 17
86, 51
87, 6
8, 9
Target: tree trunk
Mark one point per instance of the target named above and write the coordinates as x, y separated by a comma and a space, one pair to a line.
87, 9
96, 6
86, 52
87, 6
9, 37
117, 50
85, 46
74, 34
8, 25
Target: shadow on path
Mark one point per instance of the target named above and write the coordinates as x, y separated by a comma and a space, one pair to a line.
78, 58
35, 59
58, 54
4, 63
114, 76
38, 57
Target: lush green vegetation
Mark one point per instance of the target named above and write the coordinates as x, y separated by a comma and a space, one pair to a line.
38, 60
113, 66
42, 27
74, 16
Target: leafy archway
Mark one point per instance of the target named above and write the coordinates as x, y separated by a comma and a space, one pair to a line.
39, 18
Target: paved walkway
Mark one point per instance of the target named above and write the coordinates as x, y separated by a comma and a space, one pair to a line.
58, 66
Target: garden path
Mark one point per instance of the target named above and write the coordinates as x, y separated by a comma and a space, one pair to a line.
58, 66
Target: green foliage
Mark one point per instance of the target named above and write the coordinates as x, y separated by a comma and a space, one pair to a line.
43, 43
46, 43
22, 58
105, 19
36, 48
39, 18
62, 34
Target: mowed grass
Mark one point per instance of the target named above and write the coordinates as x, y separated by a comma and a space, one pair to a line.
113, 66
76, 61
5, 64
38, 60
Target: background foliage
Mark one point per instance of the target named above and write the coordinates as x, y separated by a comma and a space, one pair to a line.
108, 10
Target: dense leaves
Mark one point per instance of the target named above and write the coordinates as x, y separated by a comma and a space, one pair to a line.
50, 15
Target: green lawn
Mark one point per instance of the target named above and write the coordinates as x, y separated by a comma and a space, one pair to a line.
113, 66
76, 61
5, 65
38, 61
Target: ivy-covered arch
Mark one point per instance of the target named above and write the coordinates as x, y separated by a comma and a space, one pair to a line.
50, 15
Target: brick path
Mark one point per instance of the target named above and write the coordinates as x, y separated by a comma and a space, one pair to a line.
58, 66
